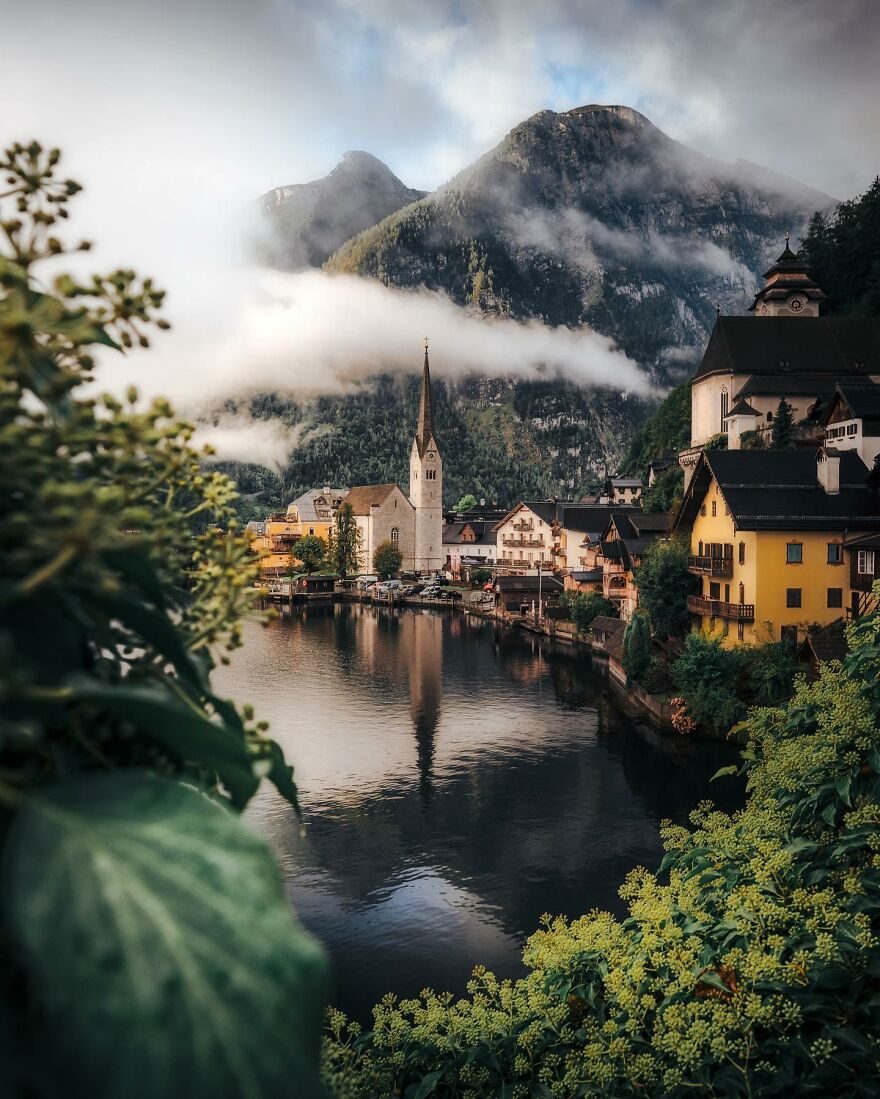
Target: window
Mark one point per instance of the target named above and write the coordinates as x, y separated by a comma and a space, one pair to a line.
430, 474
769, 417
415, 475
714, 507
835, 597
792, 597
714, 590
702, 509
835, 553
742, 553
865, 563
852, 429
395, 534
789, 633
794, 554
742, 593
740, 630
725, 405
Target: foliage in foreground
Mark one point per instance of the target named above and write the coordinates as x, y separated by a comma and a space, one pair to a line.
146, 946
748, 966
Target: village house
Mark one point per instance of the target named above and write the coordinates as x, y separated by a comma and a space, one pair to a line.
524, 537
573, 525
469, 543
623, 543
526, 595
852, 420
272, 541
622, 490
785, 351
767, 534
315, 510
862, 556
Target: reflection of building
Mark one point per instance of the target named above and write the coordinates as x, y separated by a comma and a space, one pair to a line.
424, 646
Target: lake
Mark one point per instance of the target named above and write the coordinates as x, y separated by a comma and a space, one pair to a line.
458, 779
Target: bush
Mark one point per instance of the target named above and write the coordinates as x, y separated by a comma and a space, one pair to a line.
584, 606
708, 675
658, 678
769, 672
747, 966
310, 551
479, 577
387, 560
130, 883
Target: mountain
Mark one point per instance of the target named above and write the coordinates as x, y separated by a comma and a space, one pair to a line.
309, 221
593, 217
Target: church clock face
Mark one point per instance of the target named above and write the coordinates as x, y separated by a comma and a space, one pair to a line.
762, 310
796, 304
430, 455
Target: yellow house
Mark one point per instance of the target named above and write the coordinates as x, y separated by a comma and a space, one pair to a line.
767, 532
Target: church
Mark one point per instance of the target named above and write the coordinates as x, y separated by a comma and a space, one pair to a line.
415, 523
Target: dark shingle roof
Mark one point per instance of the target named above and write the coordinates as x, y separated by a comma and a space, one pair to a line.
826, 644
527, 583
544, 509
863, 400
586, 576
779, 490
587, 518
742, 408
792, 345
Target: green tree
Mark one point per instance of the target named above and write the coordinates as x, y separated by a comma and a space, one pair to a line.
584, 606
310, 551
664, 583
466, 503
782, 432
746, 966
344, 546
387, 560
637, 648
707, 675
666, 492
480, 576
130, 882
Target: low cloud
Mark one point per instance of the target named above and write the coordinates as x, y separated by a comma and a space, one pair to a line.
310, 333
238, 438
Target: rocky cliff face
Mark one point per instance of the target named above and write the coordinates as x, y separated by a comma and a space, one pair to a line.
593, 217
309, 221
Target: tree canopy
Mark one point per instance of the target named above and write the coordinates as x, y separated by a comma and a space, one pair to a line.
387, 560
344, 545
664, 584
310, 551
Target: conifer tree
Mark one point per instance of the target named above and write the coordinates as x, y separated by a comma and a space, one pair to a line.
343, 551
782, 433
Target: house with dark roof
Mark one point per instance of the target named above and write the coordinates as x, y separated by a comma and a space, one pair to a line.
821, 647
852, 419
767, 531
786, 350
468, 543
575, 528
524, 536
522, 595
627, 536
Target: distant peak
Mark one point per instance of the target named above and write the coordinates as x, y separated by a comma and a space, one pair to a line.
358, 159
627, 114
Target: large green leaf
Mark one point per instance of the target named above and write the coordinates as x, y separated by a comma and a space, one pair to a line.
162, 954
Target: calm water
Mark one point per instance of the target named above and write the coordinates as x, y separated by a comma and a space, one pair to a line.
457, 780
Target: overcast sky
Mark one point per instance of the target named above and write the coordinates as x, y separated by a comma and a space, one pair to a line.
175, 113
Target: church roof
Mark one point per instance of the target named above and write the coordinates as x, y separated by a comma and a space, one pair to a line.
742, 408
363, 497
425, 424
792, 346
862, 400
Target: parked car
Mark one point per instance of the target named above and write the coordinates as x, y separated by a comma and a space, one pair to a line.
432, 591
365, 582
414, 589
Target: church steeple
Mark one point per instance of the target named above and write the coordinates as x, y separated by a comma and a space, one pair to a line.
788, 290
425, 424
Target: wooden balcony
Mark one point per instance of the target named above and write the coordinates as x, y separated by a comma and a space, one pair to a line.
523, 524
528, 543
717, 608
710, 566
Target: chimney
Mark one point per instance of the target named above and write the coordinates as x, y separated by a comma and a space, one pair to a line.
828, 469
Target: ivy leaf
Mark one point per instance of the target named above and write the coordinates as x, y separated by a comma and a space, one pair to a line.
163, 957
428, 1085
722, 771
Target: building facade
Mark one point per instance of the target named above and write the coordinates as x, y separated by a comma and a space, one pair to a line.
524, 537
383, 514
426, 484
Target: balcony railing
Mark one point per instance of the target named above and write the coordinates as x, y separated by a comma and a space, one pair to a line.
710, 566
717, 608
527, 542
557, 551
523, 524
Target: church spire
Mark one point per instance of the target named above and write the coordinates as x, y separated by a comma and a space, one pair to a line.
425, 425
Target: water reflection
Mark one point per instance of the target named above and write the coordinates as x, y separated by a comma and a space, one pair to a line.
458, 780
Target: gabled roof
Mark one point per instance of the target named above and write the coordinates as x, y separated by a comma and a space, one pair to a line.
826, 644
779, 490
586, 576
792, 346
787, 385
453, 534
544, 509
862, 399
742, 408
363, 497
305, 504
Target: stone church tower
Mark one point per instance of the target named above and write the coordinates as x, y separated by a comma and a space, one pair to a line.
426, 484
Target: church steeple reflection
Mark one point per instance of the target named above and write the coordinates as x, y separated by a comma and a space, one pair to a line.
425, 691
